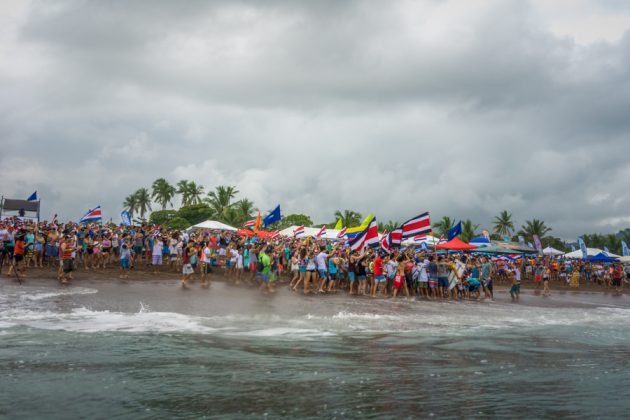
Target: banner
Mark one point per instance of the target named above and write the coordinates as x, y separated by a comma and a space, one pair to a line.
624, 249
537, 243
583, 248
126, 218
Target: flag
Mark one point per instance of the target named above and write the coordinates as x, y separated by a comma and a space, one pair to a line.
455, 231
418, 225
395, 237
93, 215
353, 231
624, 249
32, 197
537, 243
371, 238
529, 244
521, 240
257, 224
583, 248
342, 233
276, 234
299, 231
250, 223
321, 232
385, 244
358, 242
424, 247
272, 217
367, 237
606, 251
126, 218
339, 225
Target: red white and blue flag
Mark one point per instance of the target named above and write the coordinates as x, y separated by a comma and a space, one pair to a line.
276, 234
321, 232
299, 231
93, 215
419, 225
367, 237
395, 237
250, 223
385, 244
371, 239
342, 233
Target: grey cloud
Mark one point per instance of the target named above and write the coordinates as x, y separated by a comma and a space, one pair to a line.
320, 106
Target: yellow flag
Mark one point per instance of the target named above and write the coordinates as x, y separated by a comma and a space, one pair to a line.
339, 225
363, 225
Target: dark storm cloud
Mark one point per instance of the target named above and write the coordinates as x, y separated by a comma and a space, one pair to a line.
461, 109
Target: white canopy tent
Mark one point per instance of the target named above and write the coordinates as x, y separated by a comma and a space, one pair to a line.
591, 252
552, 251
213, 225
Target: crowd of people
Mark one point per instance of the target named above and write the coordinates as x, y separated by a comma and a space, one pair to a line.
308, 265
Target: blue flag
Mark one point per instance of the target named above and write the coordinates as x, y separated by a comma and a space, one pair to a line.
455, 231
624, 249
572, 248
606, 251
272, 217
32, 197
126, 218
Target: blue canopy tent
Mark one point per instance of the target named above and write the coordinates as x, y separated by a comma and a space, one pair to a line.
601, 257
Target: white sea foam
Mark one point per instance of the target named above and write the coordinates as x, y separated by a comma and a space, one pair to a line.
415, 319
61, 292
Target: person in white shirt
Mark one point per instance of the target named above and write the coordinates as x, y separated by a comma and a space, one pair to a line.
206, 269
157, 254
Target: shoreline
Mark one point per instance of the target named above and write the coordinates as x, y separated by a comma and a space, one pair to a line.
111, 274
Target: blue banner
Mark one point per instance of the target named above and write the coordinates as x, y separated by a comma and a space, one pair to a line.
126, 218
583, 248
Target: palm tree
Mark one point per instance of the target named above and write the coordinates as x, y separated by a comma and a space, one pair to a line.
131, 204
245, 209
182, 188
190, 191
162, 192
503, 224
195, 191
469, 230
444, 225
389, 226
143, 201
221, 199
534, 227
349, 218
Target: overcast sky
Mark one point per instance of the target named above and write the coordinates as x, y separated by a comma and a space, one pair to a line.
462, 108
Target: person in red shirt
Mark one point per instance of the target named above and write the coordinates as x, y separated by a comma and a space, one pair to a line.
379, 278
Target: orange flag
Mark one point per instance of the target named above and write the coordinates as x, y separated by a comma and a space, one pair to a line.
257, 225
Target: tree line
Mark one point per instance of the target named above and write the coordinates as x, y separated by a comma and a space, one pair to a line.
222, 204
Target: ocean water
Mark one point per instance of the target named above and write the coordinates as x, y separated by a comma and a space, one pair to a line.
151, 350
